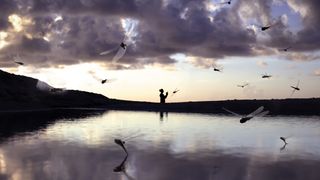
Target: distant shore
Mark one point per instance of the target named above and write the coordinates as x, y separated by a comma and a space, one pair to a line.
310, 106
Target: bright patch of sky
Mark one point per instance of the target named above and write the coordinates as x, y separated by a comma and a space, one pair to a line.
294, 19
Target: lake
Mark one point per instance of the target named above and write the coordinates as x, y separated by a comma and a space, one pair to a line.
161, 146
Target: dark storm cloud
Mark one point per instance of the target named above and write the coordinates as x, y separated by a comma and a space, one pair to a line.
309, 37
89, 27
6, 7
35, 45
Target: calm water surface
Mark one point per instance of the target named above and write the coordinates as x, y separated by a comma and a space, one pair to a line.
174, 146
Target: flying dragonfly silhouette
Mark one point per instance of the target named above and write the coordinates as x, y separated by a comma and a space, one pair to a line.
266, 27
295, 88
285, 49
258, 112
17, 59
243, 85
103, 81
122, 48
226, 2
217, 69
175, 91
121, 141
266, 76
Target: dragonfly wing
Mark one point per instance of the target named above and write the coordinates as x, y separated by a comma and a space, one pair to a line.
131, 137
110, 80
263, 113
298, 83
119, 54
107, 52
257, 111
231, 112
292, 92
134, 134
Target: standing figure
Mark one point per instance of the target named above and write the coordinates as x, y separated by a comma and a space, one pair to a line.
162, 96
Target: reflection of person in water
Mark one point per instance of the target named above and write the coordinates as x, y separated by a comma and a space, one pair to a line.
162, 96
161, 115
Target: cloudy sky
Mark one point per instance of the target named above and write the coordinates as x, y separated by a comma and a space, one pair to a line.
171, 44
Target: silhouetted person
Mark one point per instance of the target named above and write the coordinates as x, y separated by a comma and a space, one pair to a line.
162, 96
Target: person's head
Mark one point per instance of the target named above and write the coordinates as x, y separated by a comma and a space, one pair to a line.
161, 90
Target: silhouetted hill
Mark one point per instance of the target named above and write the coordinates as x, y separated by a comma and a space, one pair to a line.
21, 92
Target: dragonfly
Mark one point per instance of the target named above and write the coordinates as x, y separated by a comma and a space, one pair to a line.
103, 81
243, 85
285, 49
121, 141
264, 76
122, 48
175, 91
17, 60
226, 2
257, 112
295, 88
266, 27
217, 69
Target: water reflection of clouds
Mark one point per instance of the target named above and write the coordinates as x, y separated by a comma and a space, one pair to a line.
53, 160
187, 146
188, 132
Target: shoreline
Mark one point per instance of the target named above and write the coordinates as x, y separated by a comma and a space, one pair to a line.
308, 107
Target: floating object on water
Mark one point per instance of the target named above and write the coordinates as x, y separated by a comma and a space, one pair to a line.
257, 112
